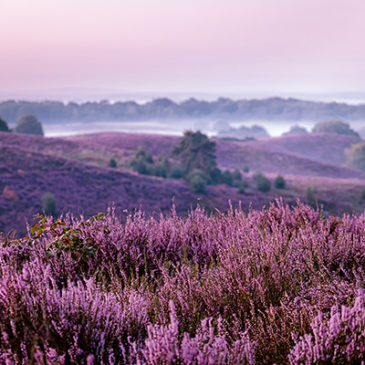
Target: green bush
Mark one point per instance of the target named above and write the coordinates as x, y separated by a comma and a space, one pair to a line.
49, 204
112, 163
280, 182
216, 176
162, 167
262, 182
176, 172
142, 162
236, 175
246, 169
4, 126
29, 124
198, 180
227, 178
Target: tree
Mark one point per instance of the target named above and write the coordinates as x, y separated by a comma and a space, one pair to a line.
195, 151
295, 130
262, 182
49, 204
280, 182
356, 156
29, 124
112, 163
4, 126
334, 126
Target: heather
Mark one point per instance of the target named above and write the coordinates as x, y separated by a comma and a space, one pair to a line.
278, 285
77, 171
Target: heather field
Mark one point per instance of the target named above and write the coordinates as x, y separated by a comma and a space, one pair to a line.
272, 286
75, 170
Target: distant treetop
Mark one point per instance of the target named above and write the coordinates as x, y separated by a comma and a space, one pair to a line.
334, 126
29, 124
295, 130
4, 126
244, 132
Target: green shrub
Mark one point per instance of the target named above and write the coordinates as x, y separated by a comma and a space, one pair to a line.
112, 163
29, 124
162, 167
262, 182
280, 182
227, 178
236, 175
198, 180
142, 162
176, 172
49, 204
246, 169
4, 126
216, 176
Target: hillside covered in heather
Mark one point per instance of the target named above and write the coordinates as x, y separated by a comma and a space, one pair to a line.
276, 286
76, 171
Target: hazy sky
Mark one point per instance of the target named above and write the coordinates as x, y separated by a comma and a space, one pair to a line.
220, 46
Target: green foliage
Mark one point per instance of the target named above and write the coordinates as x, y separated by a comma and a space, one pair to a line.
227, 178
363, 194
162, 167
280, 182
356, 156
176, 172
198, 180
311, 196
262, 182
29, 124
4, 126
142, 162
236, 175
49, 204
216, 176
246, 169
334, 126
195, 151
112, 163
296, 130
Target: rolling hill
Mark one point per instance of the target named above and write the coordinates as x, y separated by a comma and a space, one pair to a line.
75, 169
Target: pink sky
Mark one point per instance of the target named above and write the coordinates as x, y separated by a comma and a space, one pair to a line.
220, 46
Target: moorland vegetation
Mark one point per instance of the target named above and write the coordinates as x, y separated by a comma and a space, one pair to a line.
272, 286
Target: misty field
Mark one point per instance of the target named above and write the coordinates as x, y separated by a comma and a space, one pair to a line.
278, 285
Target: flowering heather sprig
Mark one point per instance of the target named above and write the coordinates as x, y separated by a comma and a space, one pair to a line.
164, 345
337, 339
